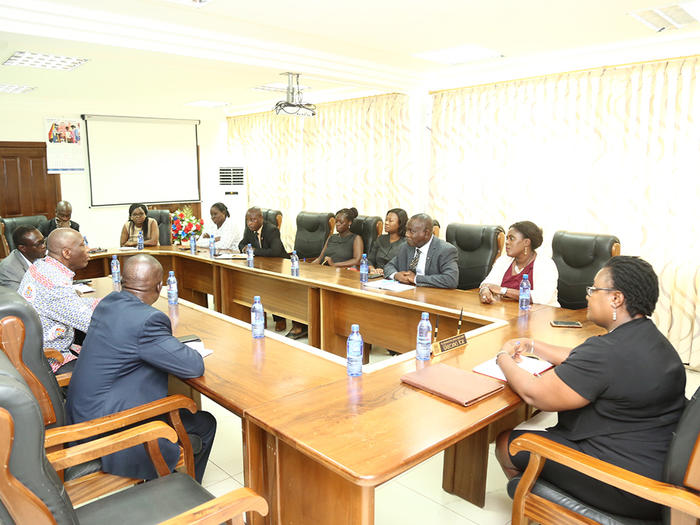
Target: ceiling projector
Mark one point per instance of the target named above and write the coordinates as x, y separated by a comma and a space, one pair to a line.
294, 105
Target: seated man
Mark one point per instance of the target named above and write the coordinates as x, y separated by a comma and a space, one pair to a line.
31, 246
424, 260
126, 358
48, 286
64, 210
265, 240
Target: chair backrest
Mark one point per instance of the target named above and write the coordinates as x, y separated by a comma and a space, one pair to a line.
477, 246
369, 228
579, 256
312, 231
436, 228
4, 247
33, 361
273, 217
34, 476
162, 218
11, 224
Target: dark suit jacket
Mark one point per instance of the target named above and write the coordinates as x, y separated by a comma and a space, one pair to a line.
441, 270
51, 226
124, 362
271, 243
12, 270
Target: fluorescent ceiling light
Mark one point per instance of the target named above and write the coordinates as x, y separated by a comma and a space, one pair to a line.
207, 103
669, 17
15, 89
453, 56
280, 87
193, 3
42, 61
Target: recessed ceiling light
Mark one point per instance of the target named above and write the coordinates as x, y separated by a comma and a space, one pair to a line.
453, 56
280, 87
207, 103
15, 89
42, 61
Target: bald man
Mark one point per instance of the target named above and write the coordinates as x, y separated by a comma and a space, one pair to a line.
48, 286
62, 219
126, 358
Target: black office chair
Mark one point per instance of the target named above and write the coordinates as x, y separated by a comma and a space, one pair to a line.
273, 217
12, 223
162, 218
546, 503
579, 256
312, 231
367, 227
477, 247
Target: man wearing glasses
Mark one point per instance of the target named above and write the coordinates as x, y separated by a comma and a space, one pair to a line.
30, 246
64, 211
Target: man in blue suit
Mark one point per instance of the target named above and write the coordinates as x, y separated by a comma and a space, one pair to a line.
424, 260
125, 361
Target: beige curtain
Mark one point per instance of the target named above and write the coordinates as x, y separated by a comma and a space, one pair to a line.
353, 153
614, 150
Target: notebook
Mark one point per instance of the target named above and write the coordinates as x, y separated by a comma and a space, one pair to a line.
534, 366
454, 384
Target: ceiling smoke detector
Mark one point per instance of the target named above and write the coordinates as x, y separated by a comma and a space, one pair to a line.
294, 105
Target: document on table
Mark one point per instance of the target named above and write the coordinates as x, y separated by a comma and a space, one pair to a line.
225, 256
83, 288
534, 366
128, 248
199, 346
388, 284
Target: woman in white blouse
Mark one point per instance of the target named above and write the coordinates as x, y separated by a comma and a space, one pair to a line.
522, 240
224, 231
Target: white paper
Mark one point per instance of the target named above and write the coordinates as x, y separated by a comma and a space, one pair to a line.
231, 256
387, 284
83, 288
128, 248
491, 369
199, 346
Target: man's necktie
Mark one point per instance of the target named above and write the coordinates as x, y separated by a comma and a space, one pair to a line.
257, 234
414, 262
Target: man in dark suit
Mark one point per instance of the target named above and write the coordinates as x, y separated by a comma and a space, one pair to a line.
125, 361
31, 246
64, 211
424, 260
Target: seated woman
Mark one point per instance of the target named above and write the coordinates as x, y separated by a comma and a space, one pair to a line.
619, 395
503, 280
386, 246
138, 213
224, 231
342, 249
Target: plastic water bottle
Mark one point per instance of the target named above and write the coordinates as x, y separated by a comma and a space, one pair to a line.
193, 245
139, 242
172, 288
212, 247
294, 259
257, 318
354, 351
524, 293
424, 337
116, 270
85, 241
250, 256
364, 269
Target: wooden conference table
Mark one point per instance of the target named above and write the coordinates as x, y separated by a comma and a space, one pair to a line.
317, 443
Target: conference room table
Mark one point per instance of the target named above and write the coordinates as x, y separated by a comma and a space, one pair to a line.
316, 442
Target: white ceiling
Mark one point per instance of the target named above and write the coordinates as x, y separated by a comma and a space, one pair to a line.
156, 55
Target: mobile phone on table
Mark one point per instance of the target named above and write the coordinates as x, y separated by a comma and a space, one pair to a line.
566, 324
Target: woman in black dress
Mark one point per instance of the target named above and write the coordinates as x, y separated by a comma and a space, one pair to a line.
387, 246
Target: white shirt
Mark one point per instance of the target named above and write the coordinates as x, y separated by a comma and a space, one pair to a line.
545, 278
227, 232
420, 269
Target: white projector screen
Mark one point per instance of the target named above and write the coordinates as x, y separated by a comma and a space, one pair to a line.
141, 160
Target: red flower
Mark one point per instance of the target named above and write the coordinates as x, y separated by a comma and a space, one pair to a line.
198, 227
188, 227
182, 215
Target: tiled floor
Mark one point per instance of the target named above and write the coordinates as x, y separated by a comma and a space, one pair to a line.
414, 497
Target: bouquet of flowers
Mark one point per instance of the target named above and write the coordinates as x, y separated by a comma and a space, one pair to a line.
185, 225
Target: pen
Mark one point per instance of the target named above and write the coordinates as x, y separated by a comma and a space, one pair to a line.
437, 322
459, 324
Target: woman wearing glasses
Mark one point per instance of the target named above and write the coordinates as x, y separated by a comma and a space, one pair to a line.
504, 279
139, 221
619, 396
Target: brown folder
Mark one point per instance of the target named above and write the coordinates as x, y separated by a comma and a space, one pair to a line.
457, 385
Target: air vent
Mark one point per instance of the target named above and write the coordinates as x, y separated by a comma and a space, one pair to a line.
231, 176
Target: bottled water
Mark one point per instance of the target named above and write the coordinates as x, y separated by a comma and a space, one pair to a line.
250, 256
424, 337
364, 268
116, 270
212, 247
257, 318
172, 288
524, 293
295, 264
85, 241
139, 241
193, 245
354, 351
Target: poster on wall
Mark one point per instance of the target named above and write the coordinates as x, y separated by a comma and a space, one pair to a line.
64, 145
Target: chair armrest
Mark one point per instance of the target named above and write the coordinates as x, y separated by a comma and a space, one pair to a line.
68, 457
646, 488
222, 508
95, 427
51, 353
64, 379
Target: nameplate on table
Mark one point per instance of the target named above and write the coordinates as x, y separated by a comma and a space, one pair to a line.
456, 341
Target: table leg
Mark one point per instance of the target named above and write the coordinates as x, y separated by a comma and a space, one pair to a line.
464, 467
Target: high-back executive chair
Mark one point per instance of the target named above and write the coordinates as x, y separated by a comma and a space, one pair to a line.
478, 246
312, 231
162, 218
12, 223
679, 489
273, 217
579, 256
369, 228
32, 493
21, 341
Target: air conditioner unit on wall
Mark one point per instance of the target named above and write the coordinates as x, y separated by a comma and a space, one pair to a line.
232, 192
